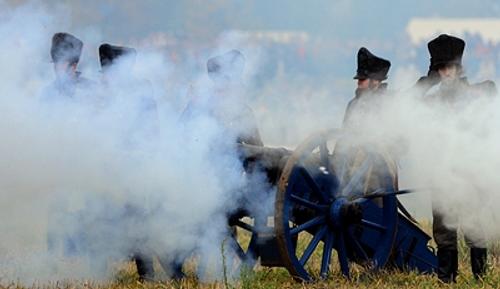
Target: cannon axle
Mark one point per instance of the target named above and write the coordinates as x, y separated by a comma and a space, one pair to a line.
343, 212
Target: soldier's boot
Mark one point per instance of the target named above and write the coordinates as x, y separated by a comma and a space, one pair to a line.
447, 265
478, 261
144, 267
177, 273
173, 269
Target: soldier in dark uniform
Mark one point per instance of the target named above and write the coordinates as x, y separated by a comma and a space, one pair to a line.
65, 53
226, 71
116, 65
372, 71
351, 152
223, 104
445, 85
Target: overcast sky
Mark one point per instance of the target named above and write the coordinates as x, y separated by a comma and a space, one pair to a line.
351, 19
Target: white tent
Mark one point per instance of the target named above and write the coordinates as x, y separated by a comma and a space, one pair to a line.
423, 29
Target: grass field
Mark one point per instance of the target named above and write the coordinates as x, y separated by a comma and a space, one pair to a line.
126, 277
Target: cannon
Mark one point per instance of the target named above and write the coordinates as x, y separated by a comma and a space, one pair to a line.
334, 196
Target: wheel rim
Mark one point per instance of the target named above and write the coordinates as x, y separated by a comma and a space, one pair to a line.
310, 201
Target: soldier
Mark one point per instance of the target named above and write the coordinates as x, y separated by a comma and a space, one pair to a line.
117, 63
351, 151
226, 71
451, 89
116, 66
372, 71
225, 106
65, 53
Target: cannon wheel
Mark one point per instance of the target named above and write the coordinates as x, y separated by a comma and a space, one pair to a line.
309, 203
239, 248
242, 242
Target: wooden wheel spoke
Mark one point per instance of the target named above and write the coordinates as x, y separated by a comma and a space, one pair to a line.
245, 226
307, 225
327, 254
308, 204
252, 247
312, 245
238, 251
358, 245
342, 255
312, 184
376, 226
324, 155
356, 178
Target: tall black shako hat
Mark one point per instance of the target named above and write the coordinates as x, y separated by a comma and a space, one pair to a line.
371, 66
108, 54
445, 50
66, 48
226, 67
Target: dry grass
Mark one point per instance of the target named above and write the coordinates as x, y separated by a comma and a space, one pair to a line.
126, 277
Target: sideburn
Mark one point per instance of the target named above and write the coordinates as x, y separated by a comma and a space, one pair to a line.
372, 85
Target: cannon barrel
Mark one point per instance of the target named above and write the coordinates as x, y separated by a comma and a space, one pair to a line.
272, 160
269, 155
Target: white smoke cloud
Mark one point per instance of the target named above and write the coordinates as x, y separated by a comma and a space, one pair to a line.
97, 176
448, 150
95, 165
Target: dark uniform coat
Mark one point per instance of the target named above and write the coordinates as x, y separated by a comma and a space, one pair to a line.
350, 157
240, 123
447, 50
